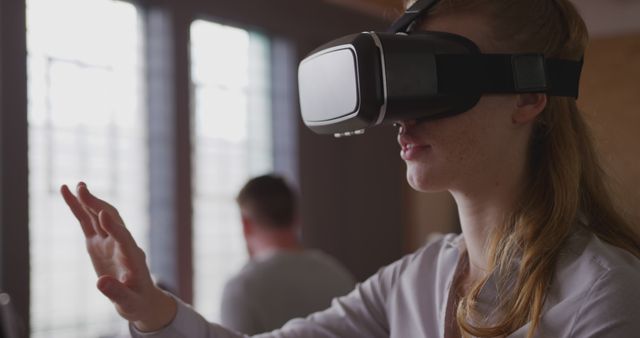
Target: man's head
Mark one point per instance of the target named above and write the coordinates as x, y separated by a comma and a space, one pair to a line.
268, 208
268, 202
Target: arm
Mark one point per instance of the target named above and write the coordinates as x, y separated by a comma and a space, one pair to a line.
362, 313
124, 278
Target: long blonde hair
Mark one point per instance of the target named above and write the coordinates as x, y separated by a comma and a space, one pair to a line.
566, 182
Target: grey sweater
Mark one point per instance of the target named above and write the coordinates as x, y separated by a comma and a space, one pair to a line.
275, 287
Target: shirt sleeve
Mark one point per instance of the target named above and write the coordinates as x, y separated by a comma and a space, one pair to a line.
188, 324
361, 313
611, 307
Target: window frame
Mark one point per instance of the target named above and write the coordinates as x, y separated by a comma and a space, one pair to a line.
295, 28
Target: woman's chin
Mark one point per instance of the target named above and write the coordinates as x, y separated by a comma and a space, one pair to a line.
421, 181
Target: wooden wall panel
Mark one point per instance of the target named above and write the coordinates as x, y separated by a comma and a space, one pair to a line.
610, 99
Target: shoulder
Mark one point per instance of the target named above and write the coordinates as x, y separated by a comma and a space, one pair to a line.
326, 262
240, 283
605, 279
614, 271
443, 251
588, 257
259, 269
437, 258
319, 257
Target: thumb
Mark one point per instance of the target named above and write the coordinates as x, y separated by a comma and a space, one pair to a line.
119, 294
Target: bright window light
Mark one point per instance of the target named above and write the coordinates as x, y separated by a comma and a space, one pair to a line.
86, 122
232, 142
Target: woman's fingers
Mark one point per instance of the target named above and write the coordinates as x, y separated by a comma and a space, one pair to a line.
118, 293
88, 200
93, 214
118, 231
78, 211
95, 204
95, 222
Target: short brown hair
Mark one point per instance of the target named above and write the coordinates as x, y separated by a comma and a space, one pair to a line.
271, 201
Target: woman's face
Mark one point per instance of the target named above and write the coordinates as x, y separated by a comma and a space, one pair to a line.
469, 150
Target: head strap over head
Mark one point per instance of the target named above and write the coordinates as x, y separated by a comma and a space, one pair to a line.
411, 15
509, 73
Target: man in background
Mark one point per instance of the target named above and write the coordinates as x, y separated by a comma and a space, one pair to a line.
282, 280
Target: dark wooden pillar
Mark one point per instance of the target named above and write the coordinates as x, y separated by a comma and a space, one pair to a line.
14, 200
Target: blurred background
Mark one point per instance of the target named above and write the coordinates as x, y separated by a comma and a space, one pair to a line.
166, 107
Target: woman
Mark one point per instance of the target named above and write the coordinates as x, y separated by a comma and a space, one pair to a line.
543, 252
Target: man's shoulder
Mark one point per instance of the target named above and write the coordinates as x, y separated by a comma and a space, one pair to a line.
315, 256
239, 280
284, 261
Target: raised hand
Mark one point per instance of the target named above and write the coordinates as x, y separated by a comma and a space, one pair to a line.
123, 275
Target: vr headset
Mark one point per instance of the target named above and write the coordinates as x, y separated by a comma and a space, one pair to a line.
366, 79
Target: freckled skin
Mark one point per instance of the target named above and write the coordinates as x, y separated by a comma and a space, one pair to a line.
465, 148
470, 151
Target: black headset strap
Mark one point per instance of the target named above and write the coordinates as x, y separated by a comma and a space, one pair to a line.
507, 73
497, 73
412, 14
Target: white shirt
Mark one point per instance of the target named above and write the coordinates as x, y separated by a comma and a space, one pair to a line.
595, 293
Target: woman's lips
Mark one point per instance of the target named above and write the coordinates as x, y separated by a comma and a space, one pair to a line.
411, 152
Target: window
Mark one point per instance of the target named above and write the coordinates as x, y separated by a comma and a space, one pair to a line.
232, 142
86, 122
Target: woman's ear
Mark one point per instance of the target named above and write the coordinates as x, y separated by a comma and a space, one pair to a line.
528, 107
